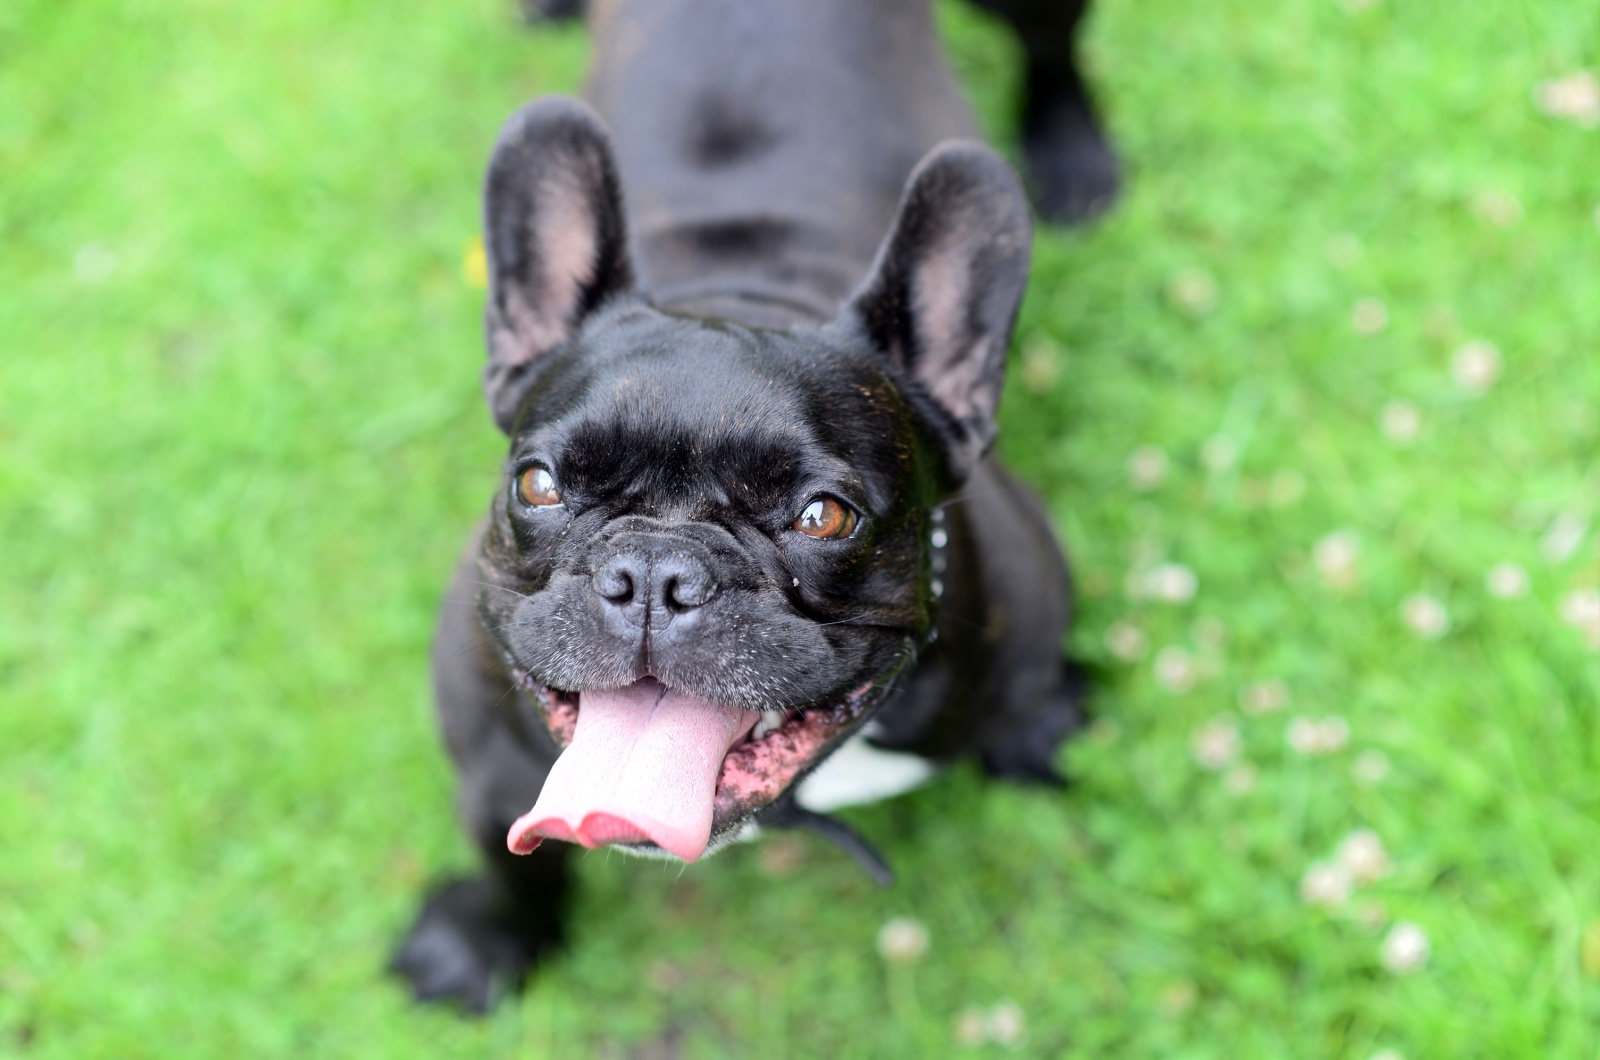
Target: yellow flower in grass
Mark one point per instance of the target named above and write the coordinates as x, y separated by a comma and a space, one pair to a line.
1589, 953
475, 264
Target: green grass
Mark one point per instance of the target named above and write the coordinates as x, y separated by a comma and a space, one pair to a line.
241, 442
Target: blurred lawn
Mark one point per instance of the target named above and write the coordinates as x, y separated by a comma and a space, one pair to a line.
241, 441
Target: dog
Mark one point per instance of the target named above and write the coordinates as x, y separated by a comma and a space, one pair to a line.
751, 558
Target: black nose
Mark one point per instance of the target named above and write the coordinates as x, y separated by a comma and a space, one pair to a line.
642, 582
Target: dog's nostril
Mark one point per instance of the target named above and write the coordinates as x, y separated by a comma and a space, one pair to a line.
686, 592
634, 579
676, 596
615, 583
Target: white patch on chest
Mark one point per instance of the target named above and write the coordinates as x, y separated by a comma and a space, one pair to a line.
859, 773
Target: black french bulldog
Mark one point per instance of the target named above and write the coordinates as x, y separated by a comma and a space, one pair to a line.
750, 560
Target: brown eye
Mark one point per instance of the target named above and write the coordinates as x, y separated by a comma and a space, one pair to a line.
826, 517
536, 488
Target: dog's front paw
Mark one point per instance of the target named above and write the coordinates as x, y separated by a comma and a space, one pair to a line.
1073, 174
465, 950
1028, 751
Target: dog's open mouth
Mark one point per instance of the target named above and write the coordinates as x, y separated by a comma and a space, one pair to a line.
651, 767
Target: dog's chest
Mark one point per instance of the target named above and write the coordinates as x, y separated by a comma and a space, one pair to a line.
859, 773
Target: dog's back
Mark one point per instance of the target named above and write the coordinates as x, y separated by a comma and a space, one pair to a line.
762, 173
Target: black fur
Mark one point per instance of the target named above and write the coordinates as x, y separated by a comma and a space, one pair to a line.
1073, 173
551, 170
815, 300
963, 215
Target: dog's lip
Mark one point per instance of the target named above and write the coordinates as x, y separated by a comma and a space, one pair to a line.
755, 771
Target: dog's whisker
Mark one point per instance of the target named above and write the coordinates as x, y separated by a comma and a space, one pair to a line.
504, 589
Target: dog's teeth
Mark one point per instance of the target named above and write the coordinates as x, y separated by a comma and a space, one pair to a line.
770, 719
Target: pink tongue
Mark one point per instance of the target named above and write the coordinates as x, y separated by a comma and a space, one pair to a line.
642, 765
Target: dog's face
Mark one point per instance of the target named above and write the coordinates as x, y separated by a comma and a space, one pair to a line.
711, 553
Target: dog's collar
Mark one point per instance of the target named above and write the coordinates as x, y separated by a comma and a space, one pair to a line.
938, 563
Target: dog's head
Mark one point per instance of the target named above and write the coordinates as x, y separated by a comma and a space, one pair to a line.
713, 548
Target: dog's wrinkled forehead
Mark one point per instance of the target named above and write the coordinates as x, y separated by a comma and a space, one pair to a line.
662, 407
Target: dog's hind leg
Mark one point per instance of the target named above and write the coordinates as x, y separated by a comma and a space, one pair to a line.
1026, 749
1072, 171
534, 11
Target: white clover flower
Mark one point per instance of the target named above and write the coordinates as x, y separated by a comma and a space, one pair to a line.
1192, 291
1302, 735
1401, 422
1312, 736
1581, 607
1126, 641
1362, 855
970, 1028
1333, 733
1007, 1023
1171, 582
1476, 366
1370, 768
1498, 208
1507, 581
902, 940
1240, 780
1566, 533
1369, 316
1264, 697
1336, 556
1216, 744
1405, 949
1147, 467
1576, 97
1326, 884
1175, 669
1425, 615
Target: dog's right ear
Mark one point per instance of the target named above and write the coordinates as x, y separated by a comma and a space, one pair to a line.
555, 240
941, 299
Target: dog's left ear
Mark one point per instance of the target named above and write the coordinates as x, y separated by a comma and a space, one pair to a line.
555, 239
942, 295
